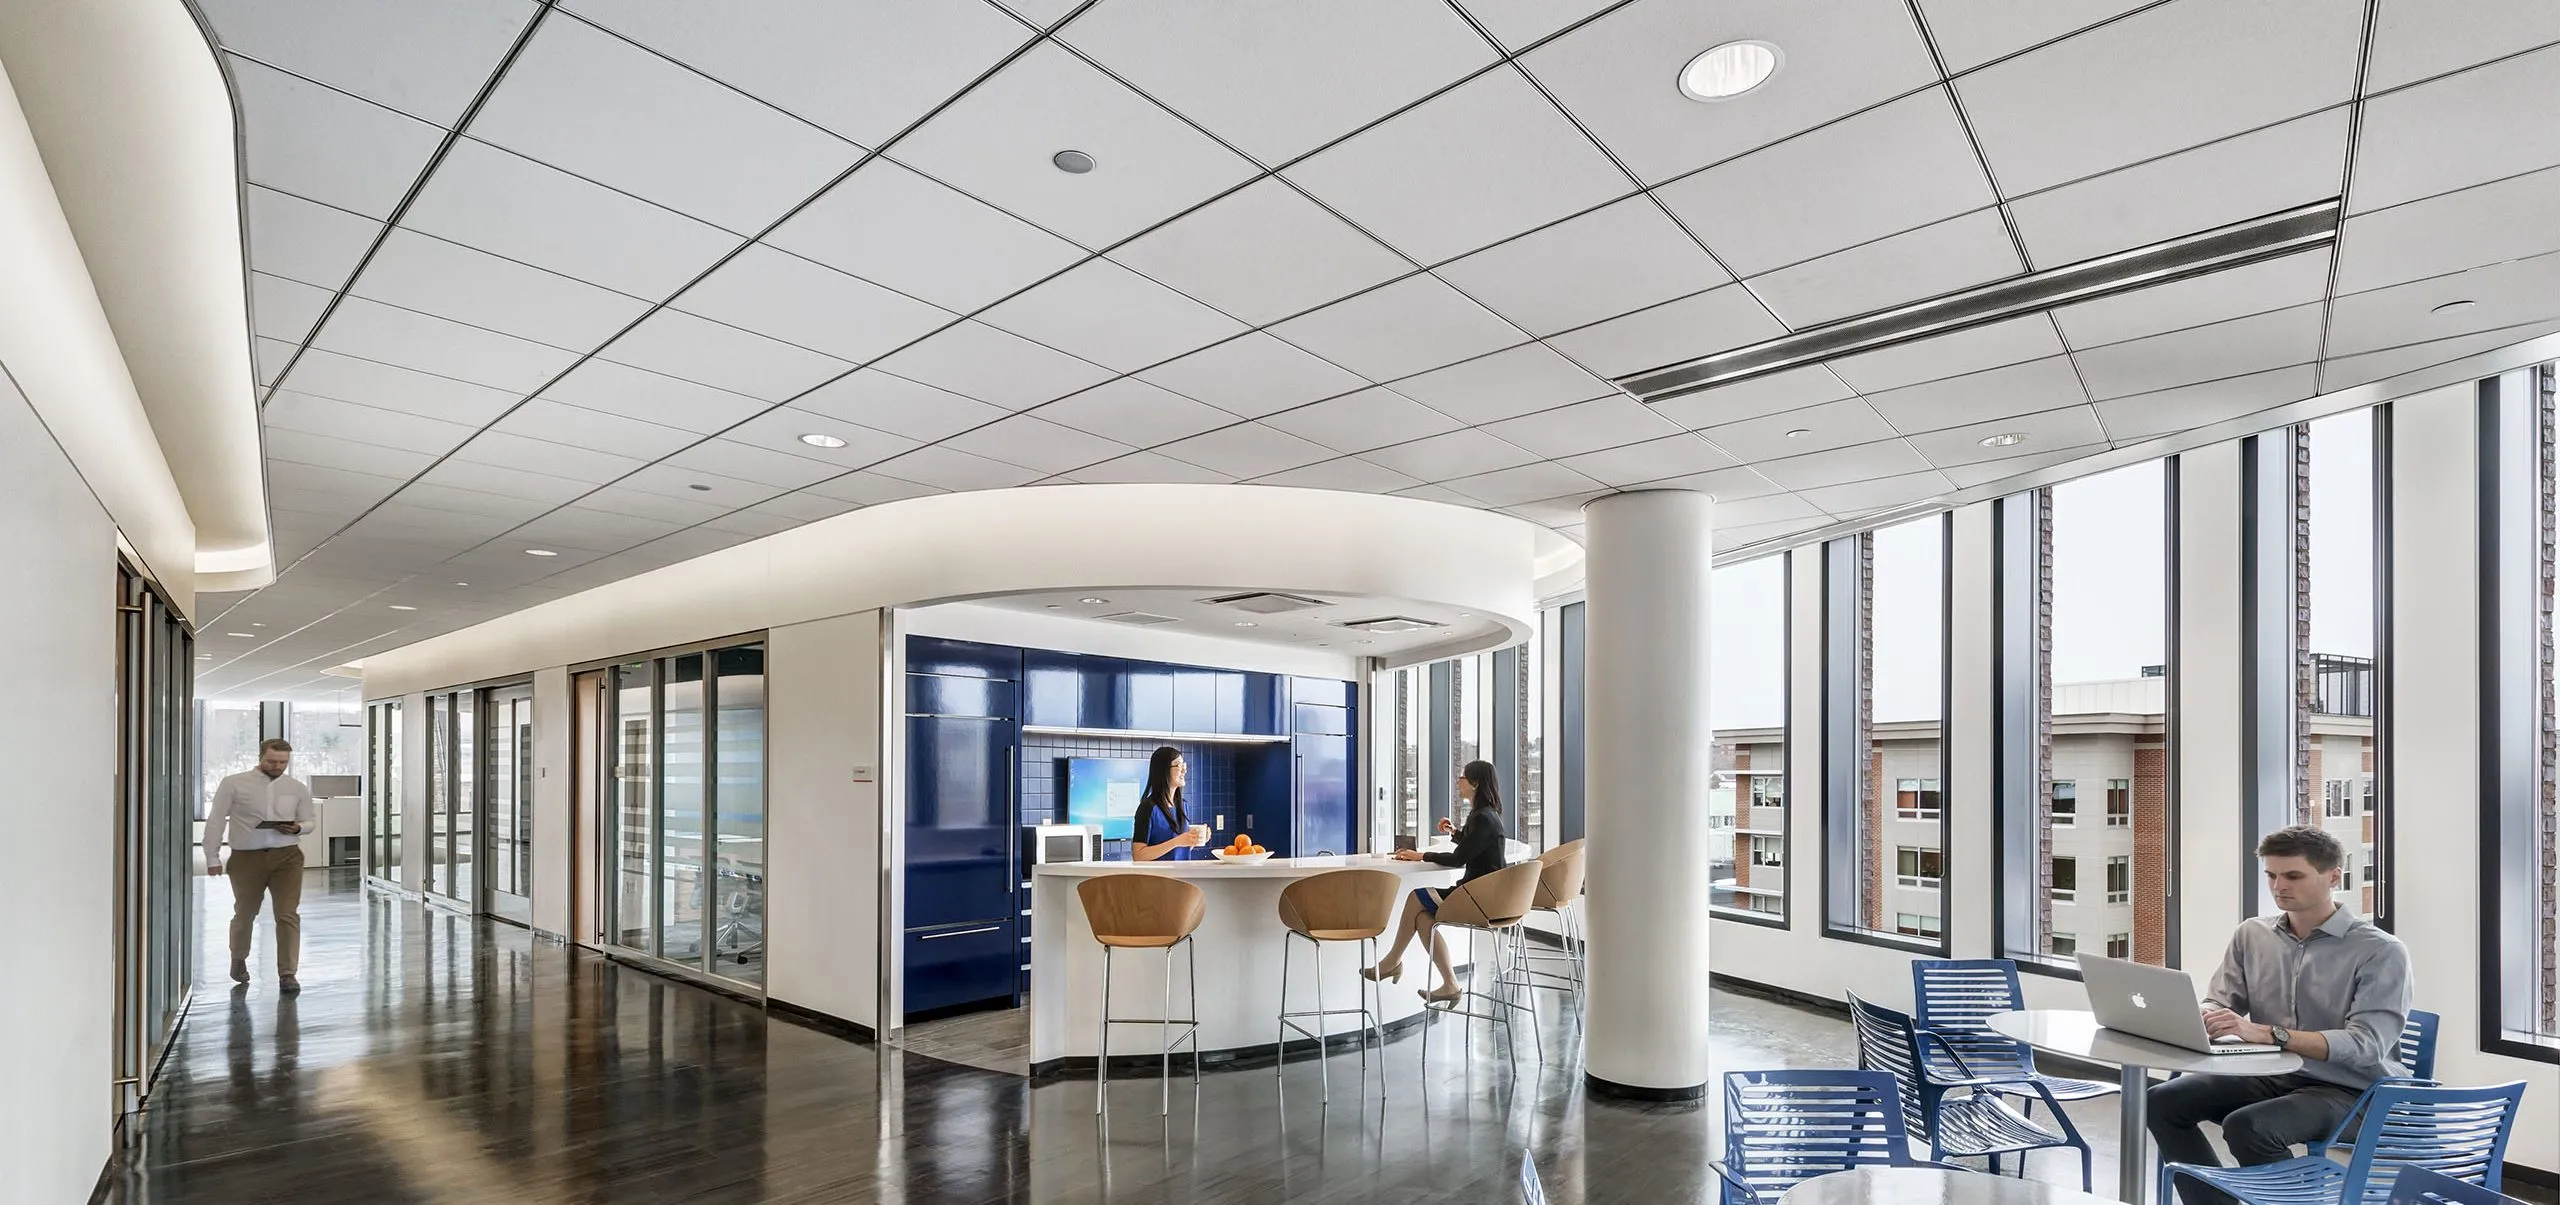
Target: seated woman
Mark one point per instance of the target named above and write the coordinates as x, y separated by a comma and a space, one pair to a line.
1478, 849
1164, 831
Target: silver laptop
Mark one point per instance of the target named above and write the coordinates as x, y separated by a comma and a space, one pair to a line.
2158, 1003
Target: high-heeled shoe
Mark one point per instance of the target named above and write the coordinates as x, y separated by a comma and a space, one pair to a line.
1385, 970
1446, 993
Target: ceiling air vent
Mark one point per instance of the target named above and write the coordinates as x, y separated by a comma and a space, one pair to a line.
1136, 619
1390, 624
1265, 602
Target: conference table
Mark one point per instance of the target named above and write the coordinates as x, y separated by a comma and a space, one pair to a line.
2075, 1033
1930, 1186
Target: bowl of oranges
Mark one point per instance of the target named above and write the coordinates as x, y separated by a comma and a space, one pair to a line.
1242, 851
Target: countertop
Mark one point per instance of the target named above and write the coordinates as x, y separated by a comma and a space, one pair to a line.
1270, 868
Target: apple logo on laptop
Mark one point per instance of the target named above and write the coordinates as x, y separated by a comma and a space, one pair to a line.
2139, 1002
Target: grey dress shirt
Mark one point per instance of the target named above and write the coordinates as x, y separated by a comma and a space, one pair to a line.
2349, 982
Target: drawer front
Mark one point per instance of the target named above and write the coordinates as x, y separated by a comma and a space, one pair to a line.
962, 964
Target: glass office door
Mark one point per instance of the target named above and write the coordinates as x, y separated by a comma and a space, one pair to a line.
684, 818
453, 789
155, 850
506, 811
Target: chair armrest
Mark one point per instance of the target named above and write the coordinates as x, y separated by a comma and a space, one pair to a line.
1734, 1183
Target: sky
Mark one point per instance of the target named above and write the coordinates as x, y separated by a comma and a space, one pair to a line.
2108, 588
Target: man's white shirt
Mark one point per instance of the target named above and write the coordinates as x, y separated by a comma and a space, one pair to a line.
244, 800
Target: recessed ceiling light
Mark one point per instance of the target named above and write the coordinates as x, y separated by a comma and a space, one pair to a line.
815, 440
1247, 623
464, 585
1800, 433
245, 635
1729, 70
402, 607
539, 552
1093, 602
1074, 163
257, 625
2454, 307
704, 488
2005, 439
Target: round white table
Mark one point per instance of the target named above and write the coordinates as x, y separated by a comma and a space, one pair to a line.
2075, 1033
1930, 1186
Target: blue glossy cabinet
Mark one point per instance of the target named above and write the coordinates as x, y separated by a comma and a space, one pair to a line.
1195, 700
962, 964
1226, 703
1052, 689
1099, 698
960, 825
1325, 815
1147, 689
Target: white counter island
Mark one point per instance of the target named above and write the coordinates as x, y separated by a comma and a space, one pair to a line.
1238, 944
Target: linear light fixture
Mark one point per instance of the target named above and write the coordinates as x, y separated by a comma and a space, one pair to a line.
2219, 250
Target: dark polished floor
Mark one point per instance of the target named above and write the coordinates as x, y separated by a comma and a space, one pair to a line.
433, 1058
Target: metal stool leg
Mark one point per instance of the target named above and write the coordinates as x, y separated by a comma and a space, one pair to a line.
1102, 1053
1280, 1041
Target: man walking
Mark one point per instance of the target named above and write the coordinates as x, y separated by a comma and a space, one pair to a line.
2316, 980
264, 814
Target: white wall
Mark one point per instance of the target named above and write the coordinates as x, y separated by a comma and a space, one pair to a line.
58, 733
552, 822
824, 770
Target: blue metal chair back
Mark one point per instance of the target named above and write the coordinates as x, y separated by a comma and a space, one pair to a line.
2458, 1132
2419, 1186
1887, 1043
1782, 1128
2418, 1043
1955, 999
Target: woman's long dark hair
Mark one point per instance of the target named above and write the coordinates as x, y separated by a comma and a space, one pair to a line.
1479, 777
1160, 793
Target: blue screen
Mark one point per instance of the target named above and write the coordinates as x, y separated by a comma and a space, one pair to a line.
1103, 791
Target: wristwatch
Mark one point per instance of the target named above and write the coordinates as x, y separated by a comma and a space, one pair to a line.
2281, 1036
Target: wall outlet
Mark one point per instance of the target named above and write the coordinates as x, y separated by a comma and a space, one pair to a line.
1221, 824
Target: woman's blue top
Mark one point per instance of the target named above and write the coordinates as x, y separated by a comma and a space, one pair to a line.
1158, 827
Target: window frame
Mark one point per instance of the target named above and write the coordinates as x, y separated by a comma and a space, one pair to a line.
2062, 894
1841, 644
2509, 433
1750, 913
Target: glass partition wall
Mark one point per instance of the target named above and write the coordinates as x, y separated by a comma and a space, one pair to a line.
506, 810
685, 823
382, 816
155, 845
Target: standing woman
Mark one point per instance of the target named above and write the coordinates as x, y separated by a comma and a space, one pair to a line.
1479, 851
1164, 831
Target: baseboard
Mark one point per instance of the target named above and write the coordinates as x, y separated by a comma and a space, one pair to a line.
825, 1023
2535, 1176
1611, 1088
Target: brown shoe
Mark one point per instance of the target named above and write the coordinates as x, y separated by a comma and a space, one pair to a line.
239, 970
288, 985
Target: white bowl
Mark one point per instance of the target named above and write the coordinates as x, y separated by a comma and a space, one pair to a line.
1240, 859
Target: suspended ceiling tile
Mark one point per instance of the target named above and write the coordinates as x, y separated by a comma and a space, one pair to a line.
289, 410
737, 461
2014, 341
2504, 295
754, 523
590, 530
1523, 380
1358, 422
1348, 474
1853, 498
2069, 427
408, 339
1792, 389
270, 358
1525, 483
1519, 23
651, 397
1620, 74
514, 507
2492, 223
951, 469
1147, 468
1672, 456
995, 143
803, 507
2028, 388
2412, 39
1970, 33
1700, 325
1761, 508
498, 479
679, 344
1907, 267
327, 146
589, 103
2255, 289
1247, 450
2346, 372
2144, 415
2484, 124
284, 310
1277, 81
561, 423
287, 445
417, 272
507, 205
2162, 80
1611, 261
686, 507
368, 383
1262, 253
2205, 353
1608, 422
864, 71
897, 405
1463, 453
573, 461
1474, 165
1253, 375
893, 227
1896, 167
305, 240
1036, 443
1111, 316
2299, 162
425, 60
979, 361
1413, 325
799, 301
1775, 436
679, 482
1134, 413
780, 430
1984, 473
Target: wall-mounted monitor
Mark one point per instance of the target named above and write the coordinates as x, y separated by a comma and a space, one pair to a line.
1103, 792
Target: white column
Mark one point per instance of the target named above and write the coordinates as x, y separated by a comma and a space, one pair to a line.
1651, 762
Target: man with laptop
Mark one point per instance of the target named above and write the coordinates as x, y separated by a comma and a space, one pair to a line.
2316, 980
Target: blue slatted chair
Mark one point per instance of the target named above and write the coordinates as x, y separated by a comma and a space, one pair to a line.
2417, 1052
1943, 1100
1782, 1128
2457, 1132
2422, 1186
1955, 998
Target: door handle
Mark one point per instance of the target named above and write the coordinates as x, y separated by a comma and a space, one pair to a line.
961, 933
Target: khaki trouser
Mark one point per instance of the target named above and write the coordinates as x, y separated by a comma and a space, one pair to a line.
276, 873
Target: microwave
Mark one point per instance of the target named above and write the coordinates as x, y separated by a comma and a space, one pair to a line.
1066, 843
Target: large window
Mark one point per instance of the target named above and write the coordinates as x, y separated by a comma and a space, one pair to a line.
2520, 846
2083, 683
688, 823
2334, 679
1403, 702
1747, 805
382, 792
1884, 697
227, 741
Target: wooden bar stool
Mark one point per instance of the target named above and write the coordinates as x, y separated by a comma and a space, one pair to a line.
1338, 905
1145, 912
1494, 905
1560, 894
